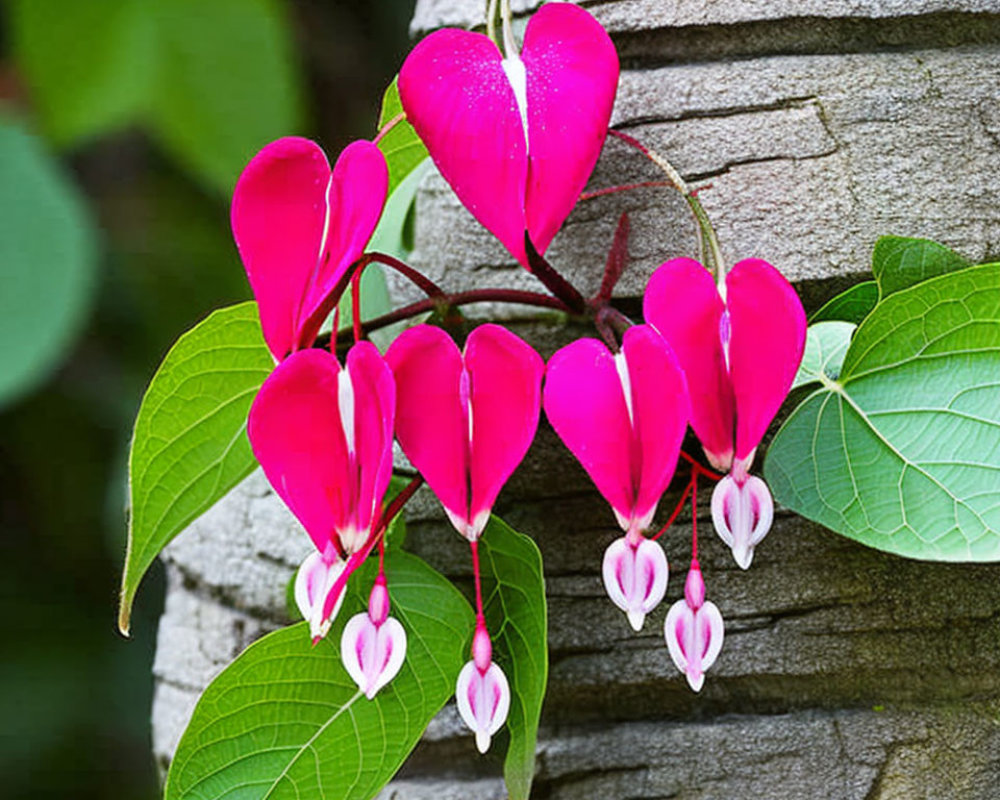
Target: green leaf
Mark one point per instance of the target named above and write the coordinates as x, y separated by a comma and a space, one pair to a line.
190, 446
899, 262
516, 615
826, 346
286, 721
401, 146
212, 80
47, 262
89, 64
903, 452
852, 305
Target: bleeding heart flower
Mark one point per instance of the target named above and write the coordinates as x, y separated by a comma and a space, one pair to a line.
742, 514
740, 352
323, 435
623, 416
373, 645
465, 419
313, 583
299, 226
635, 577
482, 693
694, 630
515, 137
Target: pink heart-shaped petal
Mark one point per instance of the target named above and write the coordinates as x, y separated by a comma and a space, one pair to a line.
483, 700
372, 654
768, 339
298, 226
635, 577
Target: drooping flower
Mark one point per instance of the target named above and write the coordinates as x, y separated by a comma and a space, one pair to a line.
299, 226
465, 419
323, 435
623, 416
740, 345
373, 645
694, 630
516, 137
482, 693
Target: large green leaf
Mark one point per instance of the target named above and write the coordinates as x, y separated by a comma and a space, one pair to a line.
514, 605
286, 721
899, 262
852, 305
401, 146
826, 346
47, 260
213, 80
190, 446
902, 453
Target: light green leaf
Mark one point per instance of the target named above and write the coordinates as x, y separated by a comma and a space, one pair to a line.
516, 615
899, 262
190, 446
401, 146
826, 346
903, 452
286, 721
47, 262
852, 305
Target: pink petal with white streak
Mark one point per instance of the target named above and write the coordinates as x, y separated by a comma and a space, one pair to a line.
505, 378
372, 655
768, 339
483, 700
694, 639
635, 577
572, 76
683, 304
742, 515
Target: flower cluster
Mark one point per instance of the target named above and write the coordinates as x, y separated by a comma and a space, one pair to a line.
516, 134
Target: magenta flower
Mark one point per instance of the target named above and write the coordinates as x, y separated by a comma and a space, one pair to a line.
623, 416
465, 419
515, 137
323, 435
482, 693
373, 644
739, 352
694, 630
299, 226
740, 346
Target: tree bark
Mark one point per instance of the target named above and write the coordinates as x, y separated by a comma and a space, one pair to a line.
846, 673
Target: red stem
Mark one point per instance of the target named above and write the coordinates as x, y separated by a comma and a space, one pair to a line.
392, 123
628, 187
425, 284
356, 305
699, 469
694, 516
474, 547
631, 141
553, 281
676, 511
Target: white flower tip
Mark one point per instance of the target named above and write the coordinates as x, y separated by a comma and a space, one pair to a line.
636, 618
695, 680
483, 740
743, 556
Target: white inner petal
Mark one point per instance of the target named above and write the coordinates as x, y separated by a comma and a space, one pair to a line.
513, 66
345, 405
622, 366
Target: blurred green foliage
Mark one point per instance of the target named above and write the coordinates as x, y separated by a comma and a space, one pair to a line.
149, 108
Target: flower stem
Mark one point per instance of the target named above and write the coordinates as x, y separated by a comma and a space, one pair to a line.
356, 305
554, 282
699, 469
474, 547
694, 515
677, 510
417, 278
628, 187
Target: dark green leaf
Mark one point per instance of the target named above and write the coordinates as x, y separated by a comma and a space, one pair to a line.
47, 259
899, 262
286, 721
516, 615
826, 346
190, 446
852, 305
903, 452
401, 146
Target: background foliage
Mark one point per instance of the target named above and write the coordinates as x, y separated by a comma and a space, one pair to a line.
141, 115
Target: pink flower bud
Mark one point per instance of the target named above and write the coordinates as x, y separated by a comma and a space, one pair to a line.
482, 648
372, 653
378, 601
314, 581
635, 577
742, 514
483, 699
694, 630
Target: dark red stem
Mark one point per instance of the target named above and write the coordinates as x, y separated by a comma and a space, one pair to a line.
698, 468
356, 305
474, 547
425, 284
694, 515
553, 281
628, 187
676, 511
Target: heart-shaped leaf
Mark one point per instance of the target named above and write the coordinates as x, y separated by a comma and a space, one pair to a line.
902, 452
189, 446
514, 598
899, 262
285, 720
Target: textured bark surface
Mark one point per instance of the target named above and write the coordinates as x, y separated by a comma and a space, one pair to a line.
846, 673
